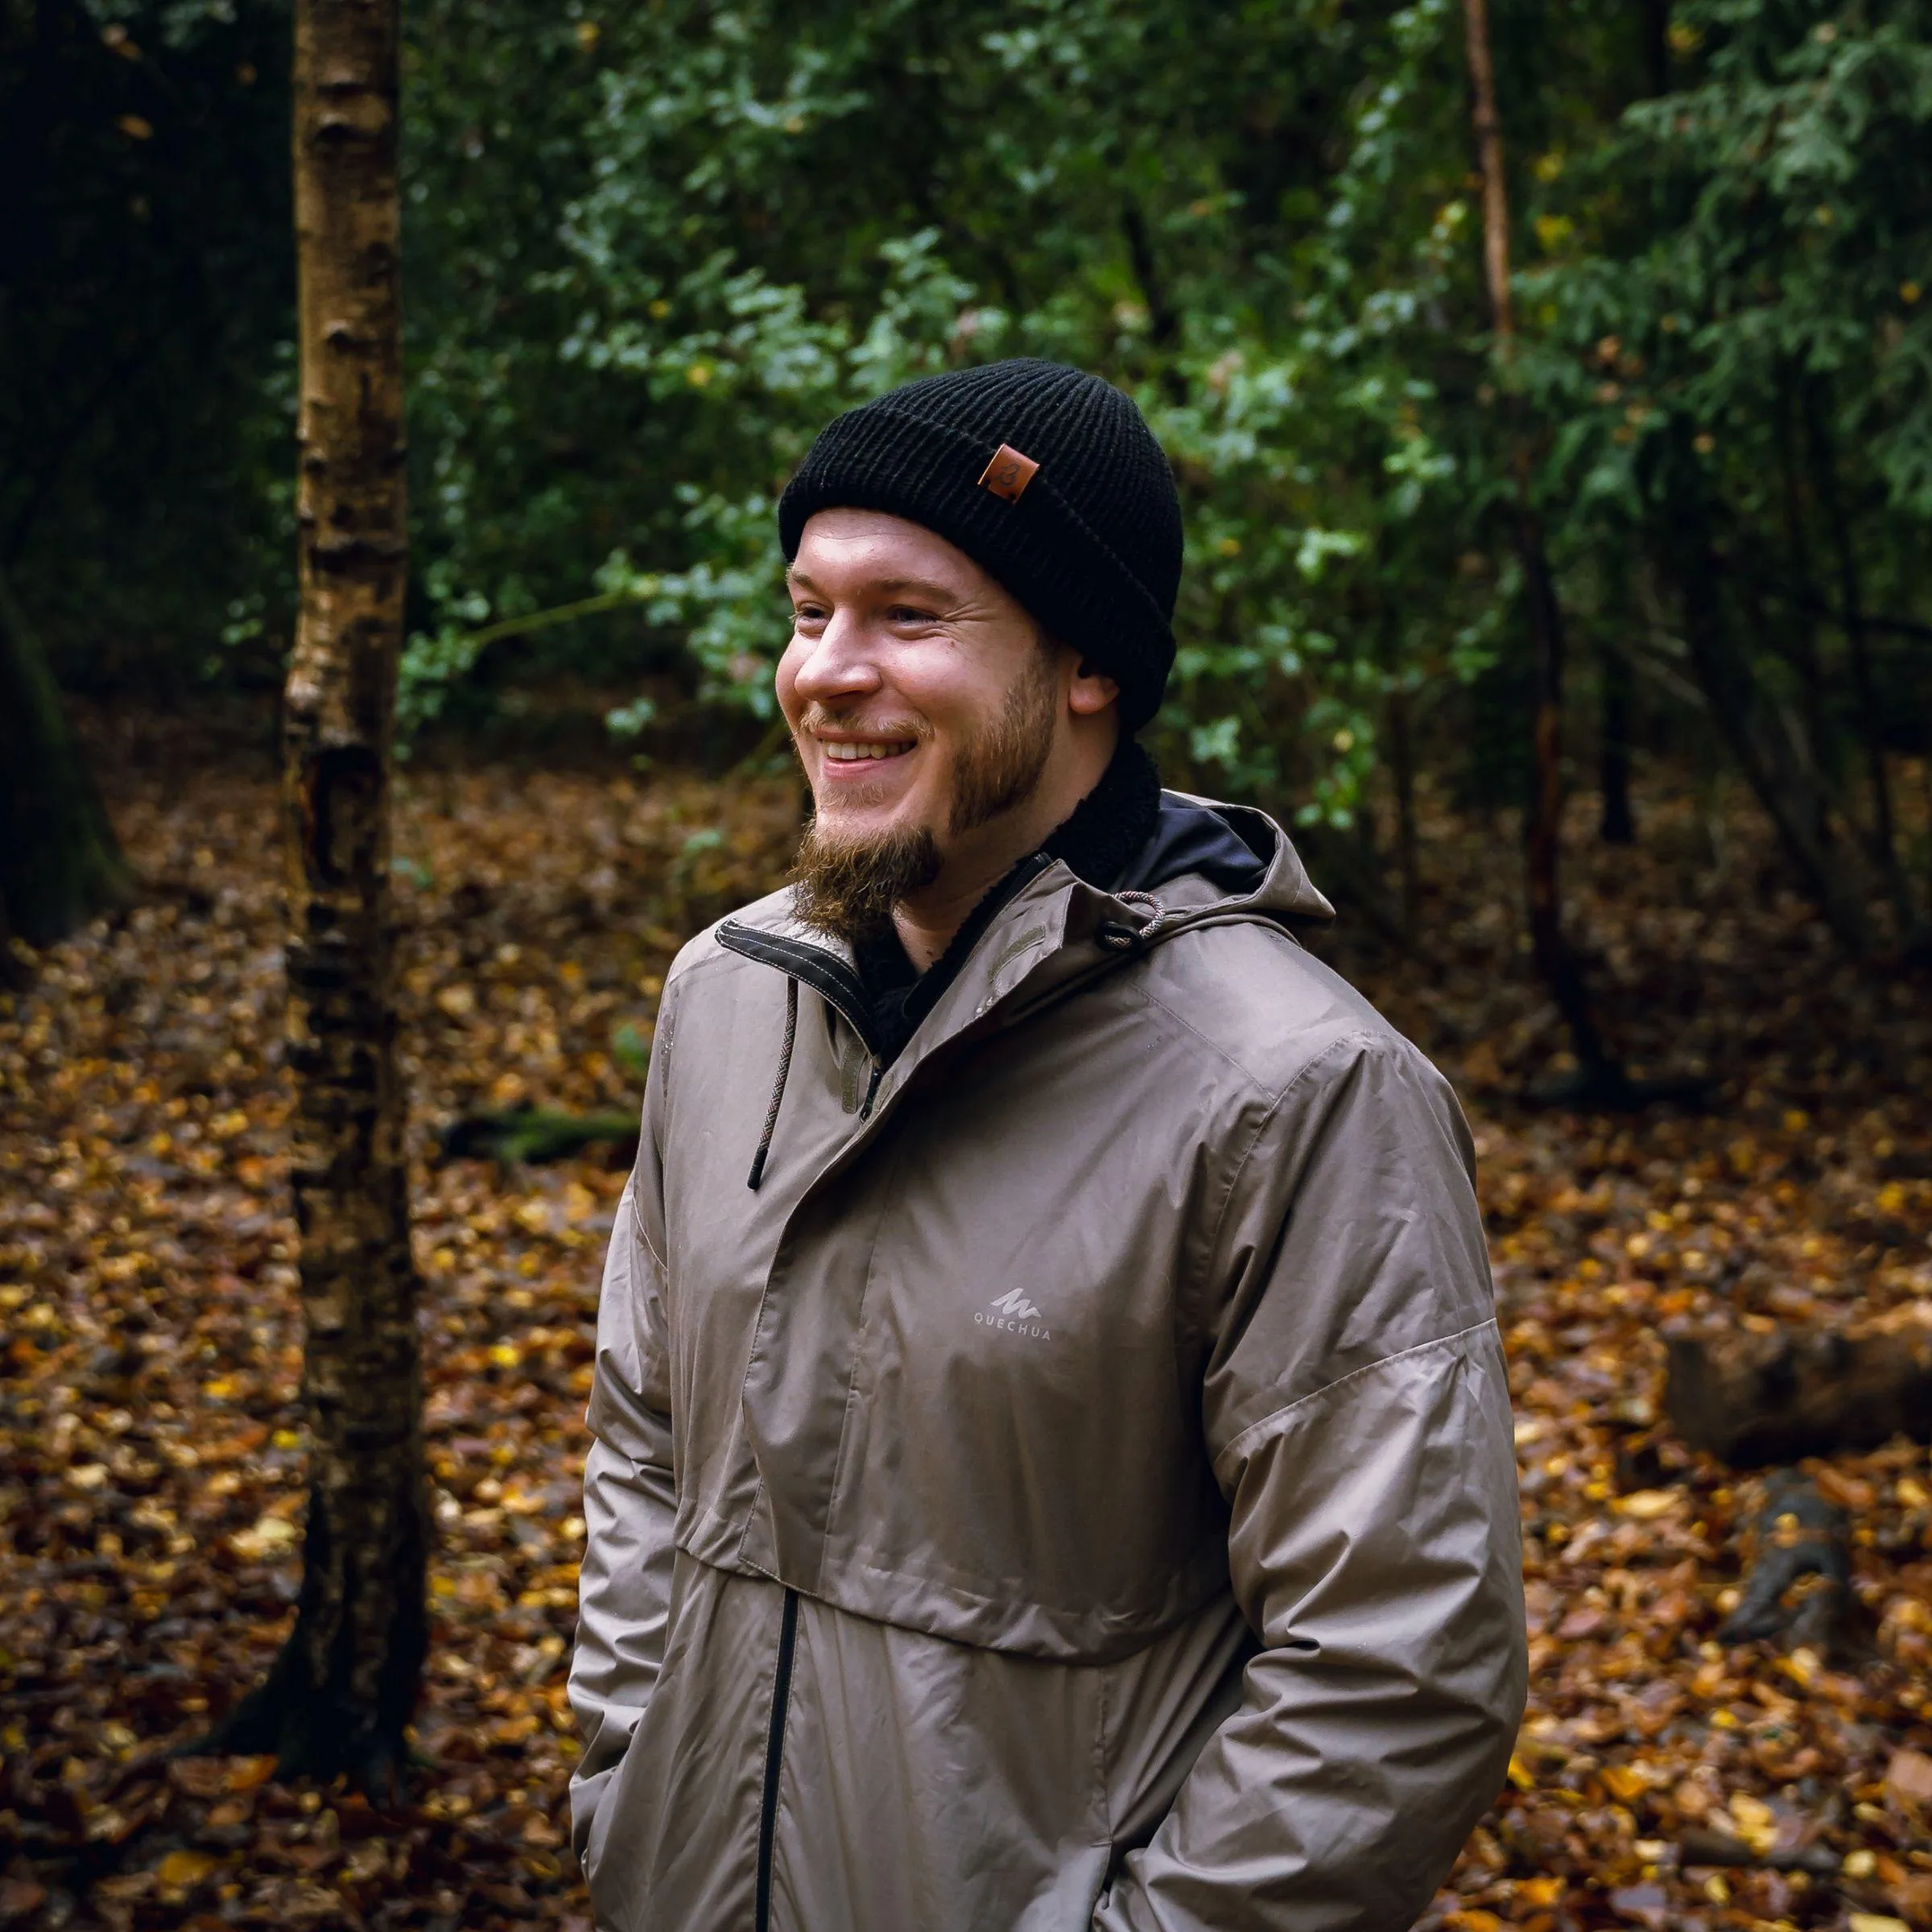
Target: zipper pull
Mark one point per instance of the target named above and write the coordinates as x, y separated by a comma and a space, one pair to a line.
871, 1086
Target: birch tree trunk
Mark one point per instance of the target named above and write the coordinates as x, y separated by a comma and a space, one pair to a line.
1599, 1079
345, 1685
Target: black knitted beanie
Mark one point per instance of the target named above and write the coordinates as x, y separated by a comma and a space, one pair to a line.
1083, 528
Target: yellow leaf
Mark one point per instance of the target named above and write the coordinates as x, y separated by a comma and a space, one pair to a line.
1800, 1666
181, 1869
272, 1536
1756, 1821
1646, 1506
1875, 1921
135, 128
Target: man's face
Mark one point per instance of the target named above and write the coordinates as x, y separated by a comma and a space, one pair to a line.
924, 700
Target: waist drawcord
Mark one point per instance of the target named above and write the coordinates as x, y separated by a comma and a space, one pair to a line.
778, 1091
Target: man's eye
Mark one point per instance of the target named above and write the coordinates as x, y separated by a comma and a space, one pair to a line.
909, 613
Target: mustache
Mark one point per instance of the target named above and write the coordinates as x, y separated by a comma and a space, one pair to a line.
822, 717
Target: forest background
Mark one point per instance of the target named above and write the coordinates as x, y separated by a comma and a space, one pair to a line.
1651, 529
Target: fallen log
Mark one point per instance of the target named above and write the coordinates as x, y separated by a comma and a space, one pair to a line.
535, 1135
1753, 1398
1701, 1847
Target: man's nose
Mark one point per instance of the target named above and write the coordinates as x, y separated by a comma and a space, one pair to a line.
837, 664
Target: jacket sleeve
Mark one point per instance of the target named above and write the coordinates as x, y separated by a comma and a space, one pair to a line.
629, 1493
1357, 1408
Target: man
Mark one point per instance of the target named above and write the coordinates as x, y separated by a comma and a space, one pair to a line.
1052, 1463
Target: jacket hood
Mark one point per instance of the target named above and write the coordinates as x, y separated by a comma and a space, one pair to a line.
1240, 852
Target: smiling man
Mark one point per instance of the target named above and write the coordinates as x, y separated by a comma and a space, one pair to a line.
1052, 1462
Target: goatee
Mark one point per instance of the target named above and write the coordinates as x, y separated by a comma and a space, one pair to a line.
847, 887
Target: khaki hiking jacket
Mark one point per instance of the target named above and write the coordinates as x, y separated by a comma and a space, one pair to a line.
1073, 1488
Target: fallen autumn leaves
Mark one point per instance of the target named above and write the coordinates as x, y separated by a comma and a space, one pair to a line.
152, 1444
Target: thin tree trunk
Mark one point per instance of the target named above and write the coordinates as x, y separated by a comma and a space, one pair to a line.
1163, 319
1773, 758
1871, 725
1653, 28
60, 863
1810, 669
1408, 837
343, 1687
1401, 772
1618, 826
1598, 1073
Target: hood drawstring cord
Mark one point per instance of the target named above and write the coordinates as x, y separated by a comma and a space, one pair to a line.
1120, 938
778, 1091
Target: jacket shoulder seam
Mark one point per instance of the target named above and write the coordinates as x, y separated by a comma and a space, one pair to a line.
1357, 1034
1184, 1307
1277, 1419
1214, 1046
1357, 1037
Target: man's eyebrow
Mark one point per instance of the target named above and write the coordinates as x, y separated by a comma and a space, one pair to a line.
887, 587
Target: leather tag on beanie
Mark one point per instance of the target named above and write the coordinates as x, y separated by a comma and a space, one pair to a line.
1009, 473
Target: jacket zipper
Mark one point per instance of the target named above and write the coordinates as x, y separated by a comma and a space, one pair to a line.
774, 1758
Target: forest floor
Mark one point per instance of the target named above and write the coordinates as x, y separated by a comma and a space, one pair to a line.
151, 1440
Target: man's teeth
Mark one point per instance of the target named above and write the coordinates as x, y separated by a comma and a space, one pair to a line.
843, 753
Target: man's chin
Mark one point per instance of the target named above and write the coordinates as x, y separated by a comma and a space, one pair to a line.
858, 821
849, 876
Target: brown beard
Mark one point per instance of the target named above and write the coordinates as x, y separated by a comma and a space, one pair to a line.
999, 769
847, 887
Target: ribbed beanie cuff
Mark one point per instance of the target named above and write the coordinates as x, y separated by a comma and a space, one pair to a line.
1091, 544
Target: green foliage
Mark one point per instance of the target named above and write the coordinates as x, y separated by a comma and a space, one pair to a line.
651, 251
763, 214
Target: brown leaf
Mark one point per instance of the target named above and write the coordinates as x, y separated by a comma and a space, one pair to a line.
1647, 1905
246, 1773
1908, 1780
19, 1896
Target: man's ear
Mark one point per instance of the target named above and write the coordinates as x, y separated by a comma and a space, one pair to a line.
1092, 690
